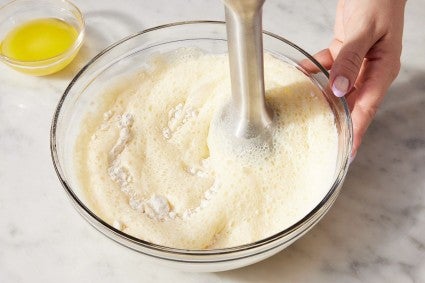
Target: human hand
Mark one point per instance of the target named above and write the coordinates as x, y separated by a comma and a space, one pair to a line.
364, 56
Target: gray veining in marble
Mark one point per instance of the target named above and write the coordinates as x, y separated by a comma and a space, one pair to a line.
375, 232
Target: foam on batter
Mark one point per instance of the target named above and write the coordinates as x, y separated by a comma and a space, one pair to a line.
154, 165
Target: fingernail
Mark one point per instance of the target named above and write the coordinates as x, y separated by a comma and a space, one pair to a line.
352, 157
340, 86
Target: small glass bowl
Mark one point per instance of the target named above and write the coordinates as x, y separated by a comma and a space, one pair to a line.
132, 54
18, 12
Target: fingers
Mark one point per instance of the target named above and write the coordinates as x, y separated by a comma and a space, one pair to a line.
347, 64
371, 30
355, 33
376, 79
325, 59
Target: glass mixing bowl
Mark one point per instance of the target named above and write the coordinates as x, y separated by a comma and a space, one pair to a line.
131, 54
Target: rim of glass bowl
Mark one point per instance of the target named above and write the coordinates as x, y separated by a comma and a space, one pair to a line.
185, 252
52, 60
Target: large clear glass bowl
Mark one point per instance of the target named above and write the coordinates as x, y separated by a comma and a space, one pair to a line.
132, 54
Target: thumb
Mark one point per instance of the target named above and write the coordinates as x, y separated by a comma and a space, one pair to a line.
347, 64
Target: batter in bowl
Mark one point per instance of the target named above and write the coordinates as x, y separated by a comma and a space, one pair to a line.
154, 164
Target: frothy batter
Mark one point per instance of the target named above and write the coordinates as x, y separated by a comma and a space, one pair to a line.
154, 164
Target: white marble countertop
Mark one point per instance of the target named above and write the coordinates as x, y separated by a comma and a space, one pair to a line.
374, 233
